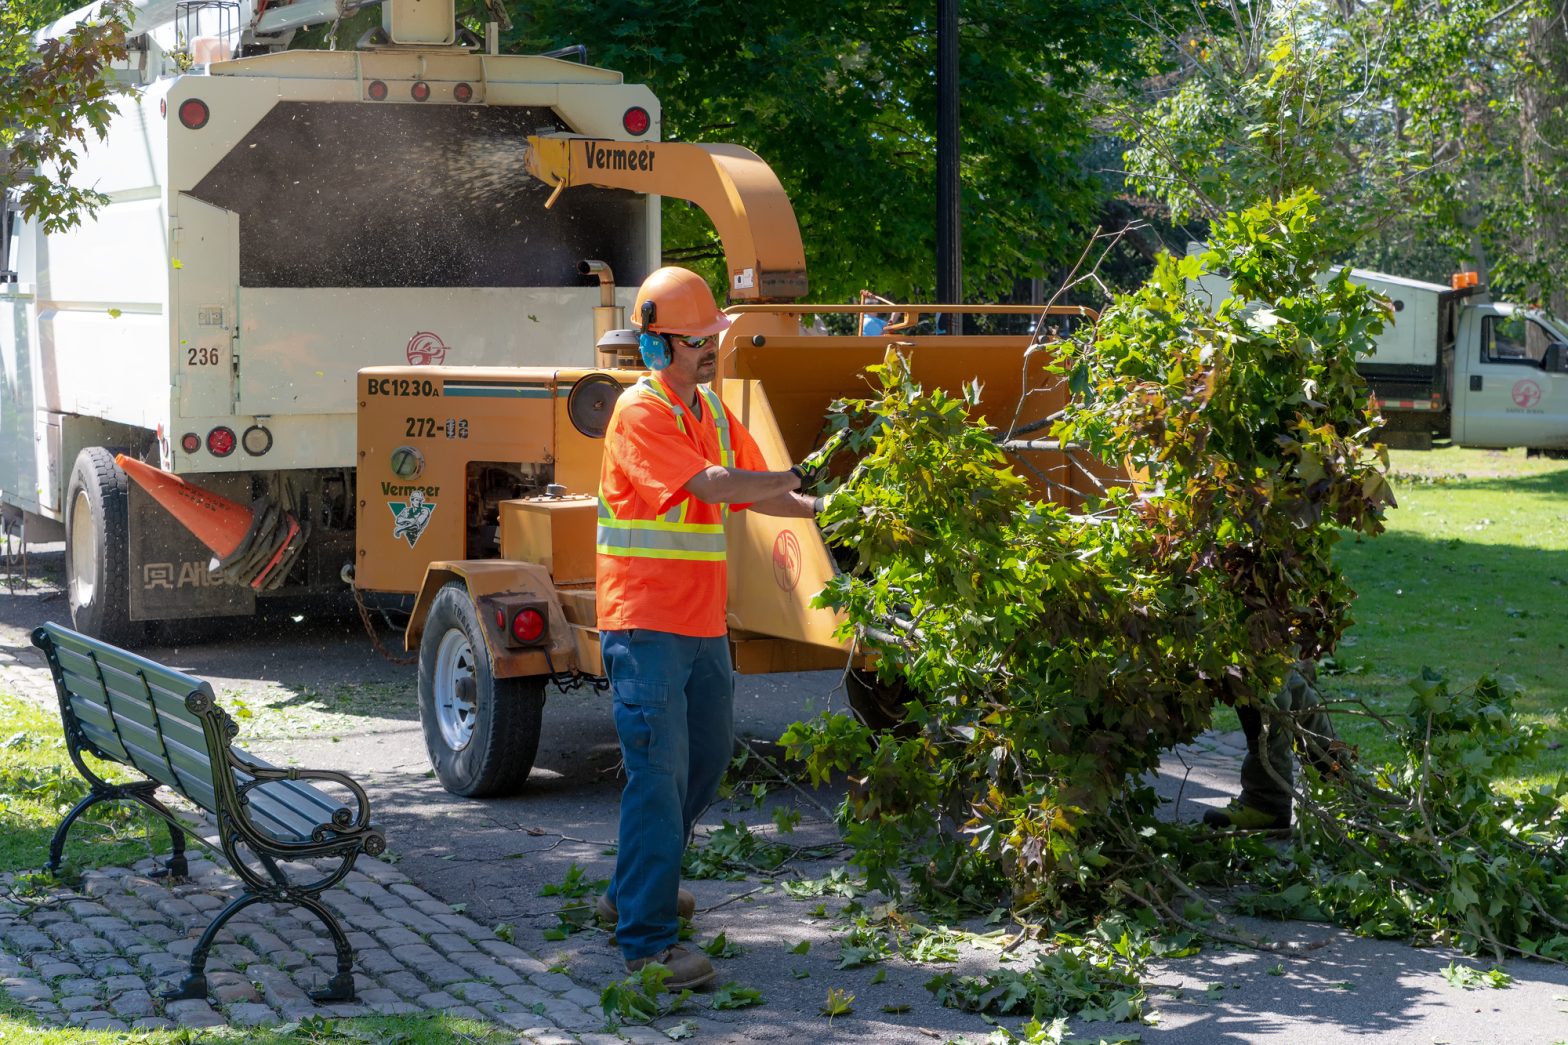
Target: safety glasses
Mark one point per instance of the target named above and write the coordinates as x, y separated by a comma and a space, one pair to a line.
694, 342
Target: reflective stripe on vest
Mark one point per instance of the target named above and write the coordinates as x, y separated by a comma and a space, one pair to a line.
670, 536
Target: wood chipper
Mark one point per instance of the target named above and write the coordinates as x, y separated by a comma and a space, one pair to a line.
477, 485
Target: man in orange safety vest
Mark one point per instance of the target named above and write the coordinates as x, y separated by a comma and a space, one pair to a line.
676, 463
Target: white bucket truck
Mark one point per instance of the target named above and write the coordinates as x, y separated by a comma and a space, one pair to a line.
275, 223
1455, 366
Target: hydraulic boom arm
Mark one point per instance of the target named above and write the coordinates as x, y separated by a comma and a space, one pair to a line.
734, 187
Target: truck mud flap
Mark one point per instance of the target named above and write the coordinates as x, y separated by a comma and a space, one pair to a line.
168, 564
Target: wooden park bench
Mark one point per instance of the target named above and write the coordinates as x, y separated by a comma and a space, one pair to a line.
168, 727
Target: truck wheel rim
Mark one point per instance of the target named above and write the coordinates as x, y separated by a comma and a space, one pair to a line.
455, 712
84, 552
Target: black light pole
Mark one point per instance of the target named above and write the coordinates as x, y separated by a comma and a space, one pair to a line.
949, 231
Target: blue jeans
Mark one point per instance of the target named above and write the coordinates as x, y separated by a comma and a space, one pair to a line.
674, 714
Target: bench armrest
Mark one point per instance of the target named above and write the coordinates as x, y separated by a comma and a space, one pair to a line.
344, 820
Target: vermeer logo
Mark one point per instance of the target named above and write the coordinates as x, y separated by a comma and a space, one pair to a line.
409, 518
618, 159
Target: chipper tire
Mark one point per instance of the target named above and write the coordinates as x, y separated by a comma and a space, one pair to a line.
482, 732
97, 549
880, 706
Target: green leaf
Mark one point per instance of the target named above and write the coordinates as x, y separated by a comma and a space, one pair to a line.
733, 996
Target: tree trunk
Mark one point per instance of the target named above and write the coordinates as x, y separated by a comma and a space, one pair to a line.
1543, 127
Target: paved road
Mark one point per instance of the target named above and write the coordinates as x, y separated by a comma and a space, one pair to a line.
316, 694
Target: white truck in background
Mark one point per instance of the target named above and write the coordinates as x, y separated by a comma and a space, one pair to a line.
275, 223
1456, 367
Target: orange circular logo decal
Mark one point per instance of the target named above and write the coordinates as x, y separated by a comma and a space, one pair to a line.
786, 560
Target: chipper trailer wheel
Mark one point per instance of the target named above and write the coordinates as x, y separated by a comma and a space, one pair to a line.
482, 732
97, 549
881, 706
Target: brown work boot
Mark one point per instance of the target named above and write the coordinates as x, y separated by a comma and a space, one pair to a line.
685, 907
688, 969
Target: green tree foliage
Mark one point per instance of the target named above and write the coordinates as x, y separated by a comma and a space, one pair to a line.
839, 98
1051, 657
51, 97
1431, 128
1060, 654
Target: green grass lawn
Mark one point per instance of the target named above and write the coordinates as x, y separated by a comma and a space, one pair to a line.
1471, 578
39, 785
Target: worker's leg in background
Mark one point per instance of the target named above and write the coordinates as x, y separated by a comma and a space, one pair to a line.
1268, 770
649, 672
710, 725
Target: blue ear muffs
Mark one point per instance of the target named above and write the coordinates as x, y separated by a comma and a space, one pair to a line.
655, 349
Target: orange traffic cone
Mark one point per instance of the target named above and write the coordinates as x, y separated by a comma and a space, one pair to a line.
247, 545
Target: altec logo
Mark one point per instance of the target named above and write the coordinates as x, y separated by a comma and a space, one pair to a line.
425, 349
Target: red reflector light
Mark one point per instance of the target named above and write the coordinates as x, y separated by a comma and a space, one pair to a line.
377, 91
163, 107
463, 92
220, 441
636, 120
194, 114
190, 442
500, 618
528, 625
420, 91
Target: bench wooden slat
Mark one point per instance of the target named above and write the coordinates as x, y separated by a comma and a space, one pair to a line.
157, 732
175, 719
99, 727
273, 816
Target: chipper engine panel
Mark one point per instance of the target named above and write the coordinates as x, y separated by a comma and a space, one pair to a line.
441, 449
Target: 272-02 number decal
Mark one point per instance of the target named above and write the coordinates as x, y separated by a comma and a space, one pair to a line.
202, 356
428, 428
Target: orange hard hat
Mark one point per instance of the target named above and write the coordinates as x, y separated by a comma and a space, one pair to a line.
677, 301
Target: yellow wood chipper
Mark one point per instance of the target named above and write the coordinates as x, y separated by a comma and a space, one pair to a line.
477, 485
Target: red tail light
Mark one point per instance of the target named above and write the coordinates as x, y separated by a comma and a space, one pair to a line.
220, 441
463, 93
420, 91
377, 91
194, 114
636, 120
528, 626
190, 442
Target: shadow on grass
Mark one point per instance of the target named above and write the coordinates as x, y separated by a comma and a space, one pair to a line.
1552, 482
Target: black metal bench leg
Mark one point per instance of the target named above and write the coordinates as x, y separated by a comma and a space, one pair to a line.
195, 983
341, 986
177, 866
57, 843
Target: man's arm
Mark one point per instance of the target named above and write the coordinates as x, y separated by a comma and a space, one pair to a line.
719, 485
792, 505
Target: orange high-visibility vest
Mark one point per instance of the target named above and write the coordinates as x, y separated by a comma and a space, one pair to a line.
673, 535
664, 569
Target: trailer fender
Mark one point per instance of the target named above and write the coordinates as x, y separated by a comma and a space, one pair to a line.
493, 585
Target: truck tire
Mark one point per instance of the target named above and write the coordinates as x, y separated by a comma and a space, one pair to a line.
482, 732
97, 549
879, 705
